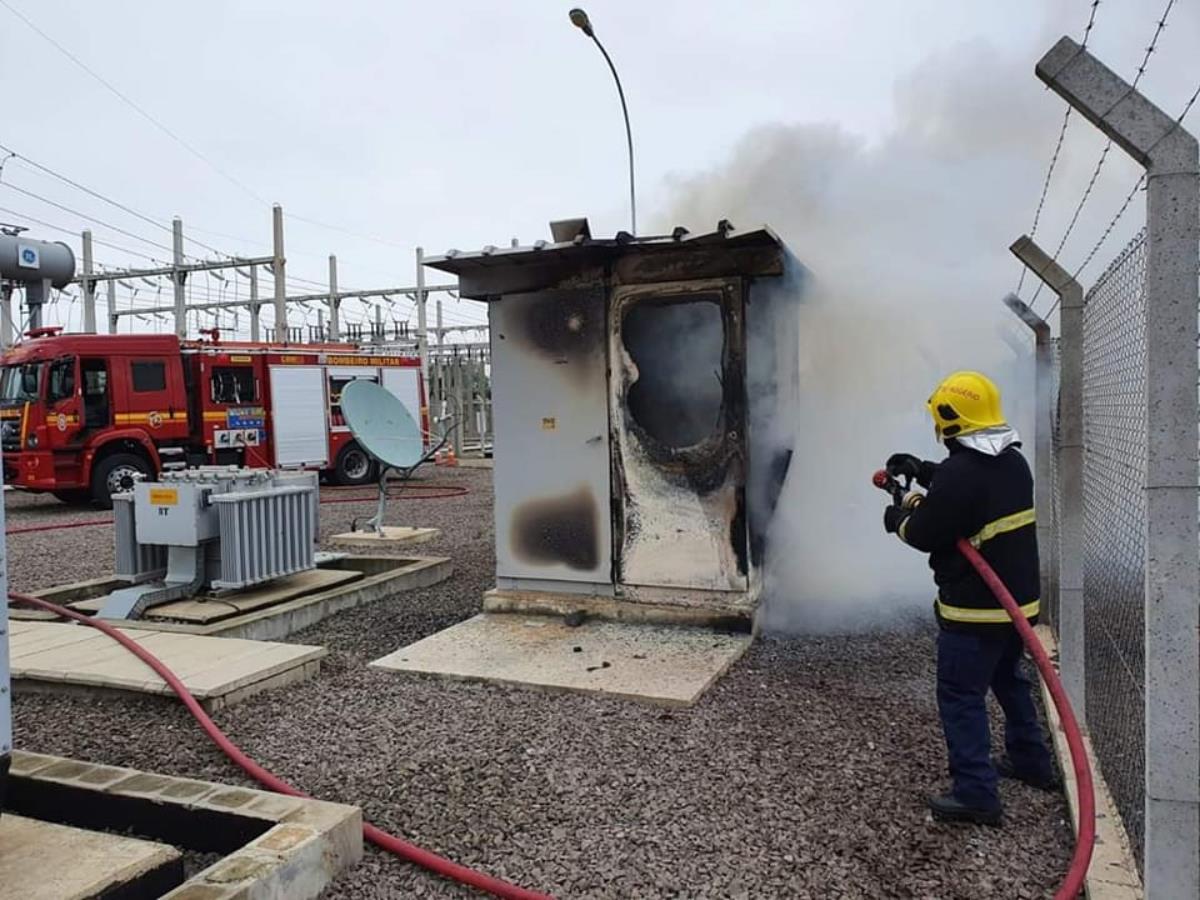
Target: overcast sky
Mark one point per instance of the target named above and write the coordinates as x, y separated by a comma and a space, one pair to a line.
464, 123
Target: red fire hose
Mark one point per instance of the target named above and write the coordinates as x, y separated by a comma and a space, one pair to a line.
1085, 840
1073, 882
29, 529
392, 844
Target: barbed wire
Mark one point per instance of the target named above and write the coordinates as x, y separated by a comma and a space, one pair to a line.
1160, 26
1058, 145
1187, 108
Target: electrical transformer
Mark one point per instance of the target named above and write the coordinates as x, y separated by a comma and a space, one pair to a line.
210, 530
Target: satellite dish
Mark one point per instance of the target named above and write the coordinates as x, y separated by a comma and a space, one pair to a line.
385, 430
381, 425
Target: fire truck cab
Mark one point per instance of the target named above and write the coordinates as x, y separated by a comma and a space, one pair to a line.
83, 415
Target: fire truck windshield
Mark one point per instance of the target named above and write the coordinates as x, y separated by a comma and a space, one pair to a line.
20, 382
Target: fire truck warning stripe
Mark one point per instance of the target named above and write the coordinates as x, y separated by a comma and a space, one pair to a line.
127, 418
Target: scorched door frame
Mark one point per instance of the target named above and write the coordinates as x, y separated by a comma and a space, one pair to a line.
679, 514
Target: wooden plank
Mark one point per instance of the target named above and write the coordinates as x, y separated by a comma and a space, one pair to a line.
215, 609
46, 636
96, 649
210, 667
233, 656
266, 664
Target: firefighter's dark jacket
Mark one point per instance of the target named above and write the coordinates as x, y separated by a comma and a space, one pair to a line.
989, 501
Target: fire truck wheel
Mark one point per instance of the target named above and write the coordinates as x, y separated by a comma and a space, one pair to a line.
354, 466
115, 474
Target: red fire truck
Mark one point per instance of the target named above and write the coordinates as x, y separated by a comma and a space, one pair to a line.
82, 415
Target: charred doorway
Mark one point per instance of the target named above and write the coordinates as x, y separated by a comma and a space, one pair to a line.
678, 411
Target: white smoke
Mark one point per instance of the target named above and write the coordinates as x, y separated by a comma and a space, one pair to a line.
910, 265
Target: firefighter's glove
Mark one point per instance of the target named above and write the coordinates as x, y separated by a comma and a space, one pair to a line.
905, 465
893, 518
912, 500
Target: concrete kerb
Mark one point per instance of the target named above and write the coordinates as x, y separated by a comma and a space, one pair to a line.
1172, 576
302, 846
1113, 874
1071, 623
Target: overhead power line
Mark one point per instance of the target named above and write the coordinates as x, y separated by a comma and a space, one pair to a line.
83, 215
72, 231
190, 148
124, 98
157, 223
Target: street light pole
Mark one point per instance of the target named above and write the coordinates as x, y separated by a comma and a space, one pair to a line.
580, 20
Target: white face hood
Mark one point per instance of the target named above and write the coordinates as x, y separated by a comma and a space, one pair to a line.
990, 441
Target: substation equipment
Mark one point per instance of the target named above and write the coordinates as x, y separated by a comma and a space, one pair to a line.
644, 390
209, 531
38, 267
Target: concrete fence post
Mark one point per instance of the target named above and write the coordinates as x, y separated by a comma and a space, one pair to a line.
1043, 443
1172, 567
1071, 624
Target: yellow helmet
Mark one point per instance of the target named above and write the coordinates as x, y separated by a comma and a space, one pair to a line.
964, 403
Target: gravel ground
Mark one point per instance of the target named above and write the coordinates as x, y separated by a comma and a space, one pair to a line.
802, 773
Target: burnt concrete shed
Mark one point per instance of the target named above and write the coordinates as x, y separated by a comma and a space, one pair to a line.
643, 396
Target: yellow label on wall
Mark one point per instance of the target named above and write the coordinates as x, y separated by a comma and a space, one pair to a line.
164, 496
240, 359
549, 424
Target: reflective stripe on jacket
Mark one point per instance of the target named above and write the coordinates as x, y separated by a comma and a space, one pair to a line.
989, 501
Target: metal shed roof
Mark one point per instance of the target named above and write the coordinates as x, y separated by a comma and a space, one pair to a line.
487, 270
585, 250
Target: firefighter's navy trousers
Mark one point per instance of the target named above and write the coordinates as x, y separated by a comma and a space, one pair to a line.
968, 664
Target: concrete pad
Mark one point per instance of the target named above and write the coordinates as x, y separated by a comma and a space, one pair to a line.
393, 536
218, 671
652, 663
44, 861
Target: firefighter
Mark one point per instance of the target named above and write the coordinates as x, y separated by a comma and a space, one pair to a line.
982, 491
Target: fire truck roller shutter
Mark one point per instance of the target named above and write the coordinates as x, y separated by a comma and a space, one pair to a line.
299, 416
403, 383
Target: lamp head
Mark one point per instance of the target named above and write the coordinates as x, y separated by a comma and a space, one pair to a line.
580, 20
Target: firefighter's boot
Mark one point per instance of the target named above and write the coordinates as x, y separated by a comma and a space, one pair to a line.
1043, 782
948, 808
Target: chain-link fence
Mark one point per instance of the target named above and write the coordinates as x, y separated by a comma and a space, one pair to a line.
1114, 523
